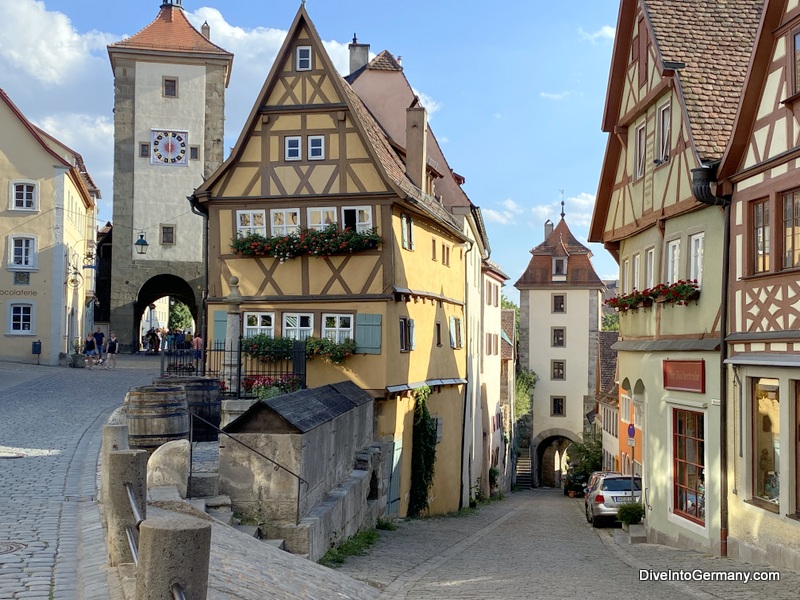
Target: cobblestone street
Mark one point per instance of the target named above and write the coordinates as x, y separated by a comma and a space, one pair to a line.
537, 544
51, 541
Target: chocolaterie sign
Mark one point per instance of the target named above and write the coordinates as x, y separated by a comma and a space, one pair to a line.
685, 375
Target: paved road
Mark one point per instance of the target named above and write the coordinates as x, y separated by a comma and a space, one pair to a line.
51, 541
537, 544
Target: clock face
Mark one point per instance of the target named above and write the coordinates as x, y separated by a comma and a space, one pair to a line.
169, 147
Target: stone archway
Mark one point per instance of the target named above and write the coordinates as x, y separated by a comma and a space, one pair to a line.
158, 287
544, 448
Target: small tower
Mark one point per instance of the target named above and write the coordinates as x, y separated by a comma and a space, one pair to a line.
169, 107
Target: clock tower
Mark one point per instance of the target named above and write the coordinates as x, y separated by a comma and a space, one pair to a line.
169, 109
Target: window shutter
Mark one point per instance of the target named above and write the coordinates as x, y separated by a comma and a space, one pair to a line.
452, 332
410, 233
368, 333
220, 325
460, 333
404, 231
411, 333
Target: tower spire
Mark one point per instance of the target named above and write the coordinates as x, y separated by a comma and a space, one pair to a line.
562, 203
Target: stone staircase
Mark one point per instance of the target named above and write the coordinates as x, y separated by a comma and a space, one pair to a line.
523, 472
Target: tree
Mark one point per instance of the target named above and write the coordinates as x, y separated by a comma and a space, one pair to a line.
587, 455
610, 322
179, 316
525, 382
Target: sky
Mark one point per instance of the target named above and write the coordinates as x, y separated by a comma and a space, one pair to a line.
515, 92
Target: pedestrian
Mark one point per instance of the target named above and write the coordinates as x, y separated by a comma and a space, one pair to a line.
180, 339
99, 338
89, 349
197, 347
112, 349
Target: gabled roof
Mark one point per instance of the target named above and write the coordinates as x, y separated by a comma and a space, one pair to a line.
307, 409
560, 243
376, 141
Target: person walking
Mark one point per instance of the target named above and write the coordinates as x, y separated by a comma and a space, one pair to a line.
90, 349
112, 349
197, 348
99, 339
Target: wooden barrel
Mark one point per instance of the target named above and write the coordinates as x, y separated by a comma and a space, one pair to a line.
204, 399
156, 415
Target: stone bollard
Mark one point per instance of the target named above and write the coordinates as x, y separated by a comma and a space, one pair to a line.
115, 437
124, 466
173, 550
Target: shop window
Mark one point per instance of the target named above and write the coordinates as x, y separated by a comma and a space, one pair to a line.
766, 443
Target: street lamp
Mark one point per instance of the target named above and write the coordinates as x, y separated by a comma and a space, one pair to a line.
141, 245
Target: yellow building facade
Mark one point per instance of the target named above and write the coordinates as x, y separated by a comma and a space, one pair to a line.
310, 159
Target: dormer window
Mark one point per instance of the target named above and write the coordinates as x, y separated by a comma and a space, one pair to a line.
303, 62
560, 266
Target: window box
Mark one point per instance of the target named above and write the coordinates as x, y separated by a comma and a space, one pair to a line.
311, 242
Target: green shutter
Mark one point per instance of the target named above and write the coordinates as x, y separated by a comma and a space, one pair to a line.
220, 325
368, 334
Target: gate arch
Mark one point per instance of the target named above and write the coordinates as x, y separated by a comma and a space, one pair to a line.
157, 287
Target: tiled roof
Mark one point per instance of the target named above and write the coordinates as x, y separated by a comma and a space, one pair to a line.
171, 30
384, 62
608, 360
77, 160
508, 325
490, 265
560, 243
714, 39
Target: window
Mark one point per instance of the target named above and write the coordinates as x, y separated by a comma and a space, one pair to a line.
407, 232
22, 253
285, 221
170, 87
303, 62
298, 326
496, 344
337, 327
761, 236
663, 141
766, 446
433, 249
456, 332
558, 406
688, 467
625, 275
194, 152
791, 230
649, 268
20, 319
292, 147
559, 337
696, 257
316, 147
256, 323
358, 218
320, 218
438, 334
558, 369
488, 293
673, 261
559, 303
144, 150
488, 344
559, 266
640, 152
637, 415
637, 260
625, 409
439, 427
24, 195
250, 221
446, 255
406, 334
167, 235
497, 295
797, 63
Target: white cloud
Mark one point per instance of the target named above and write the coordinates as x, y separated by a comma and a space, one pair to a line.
506, 215
604, 34
512, 206
431, 105
555, 96
578, 210
42, 44
496, 216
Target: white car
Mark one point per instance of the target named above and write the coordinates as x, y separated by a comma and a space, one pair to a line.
609, 492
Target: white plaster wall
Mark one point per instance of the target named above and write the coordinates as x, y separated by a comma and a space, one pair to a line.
161, 190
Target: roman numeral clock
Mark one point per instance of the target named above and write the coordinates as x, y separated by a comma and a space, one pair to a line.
169, 147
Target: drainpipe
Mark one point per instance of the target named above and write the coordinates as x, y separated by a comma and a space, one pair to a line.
202, 211
467, 388
701, 188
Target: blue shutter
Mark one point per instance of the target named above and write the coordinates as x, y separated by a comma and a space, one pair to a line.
452, 332
368, 334
220, 325
411, 333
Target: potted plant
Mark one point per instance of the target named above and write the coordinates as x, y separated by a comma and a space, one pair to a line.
78, 359
630, 514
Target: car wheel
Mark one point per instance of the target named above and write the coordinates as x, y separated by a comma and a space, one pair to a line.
595, 522
588, 516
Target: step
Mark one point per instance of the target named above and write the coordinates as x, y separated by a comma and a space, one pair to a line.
250, 530
223, 515
197, 503
218, 501
204, 484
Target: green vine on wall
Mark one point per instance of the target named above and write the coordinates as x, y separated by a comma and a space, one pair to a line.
423, 453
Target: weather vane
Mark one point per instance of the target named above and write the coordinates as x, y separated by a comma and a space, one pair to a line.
562, 203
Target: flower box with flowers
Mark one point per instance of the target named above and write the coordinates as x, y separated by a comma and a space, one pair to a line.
679, 293
307, 242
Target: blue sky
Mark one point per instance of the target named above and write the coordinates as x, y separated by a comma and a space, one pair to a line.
515, 92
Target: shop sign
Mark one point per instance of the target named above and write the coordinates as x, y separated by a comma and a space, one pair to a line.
685, 375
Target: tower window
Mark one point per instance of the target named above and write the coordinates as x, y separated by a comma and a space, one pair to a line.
170, 87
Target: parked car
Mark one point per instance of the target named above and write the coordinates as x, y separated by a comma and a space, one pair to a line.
575, 483
607, 494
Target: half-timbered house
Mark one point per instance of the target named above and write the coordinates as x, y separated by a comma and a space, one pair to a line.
760, 169
311, 159
676, 73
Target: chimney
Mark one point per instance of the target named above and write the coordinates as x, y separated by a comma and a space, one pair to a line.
548, 228
417, 145
359, 54
206, 31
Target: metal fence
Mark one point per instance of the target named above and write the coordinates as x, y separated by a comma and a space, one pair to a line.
240, 367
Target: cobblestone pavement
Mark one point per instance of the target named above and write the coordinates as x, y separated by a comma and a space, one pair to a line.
51, 540
537, 544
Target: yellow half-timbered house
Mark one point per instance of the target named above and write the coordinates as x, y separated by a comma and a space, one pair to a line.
312, 156
760, 172
676, 74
